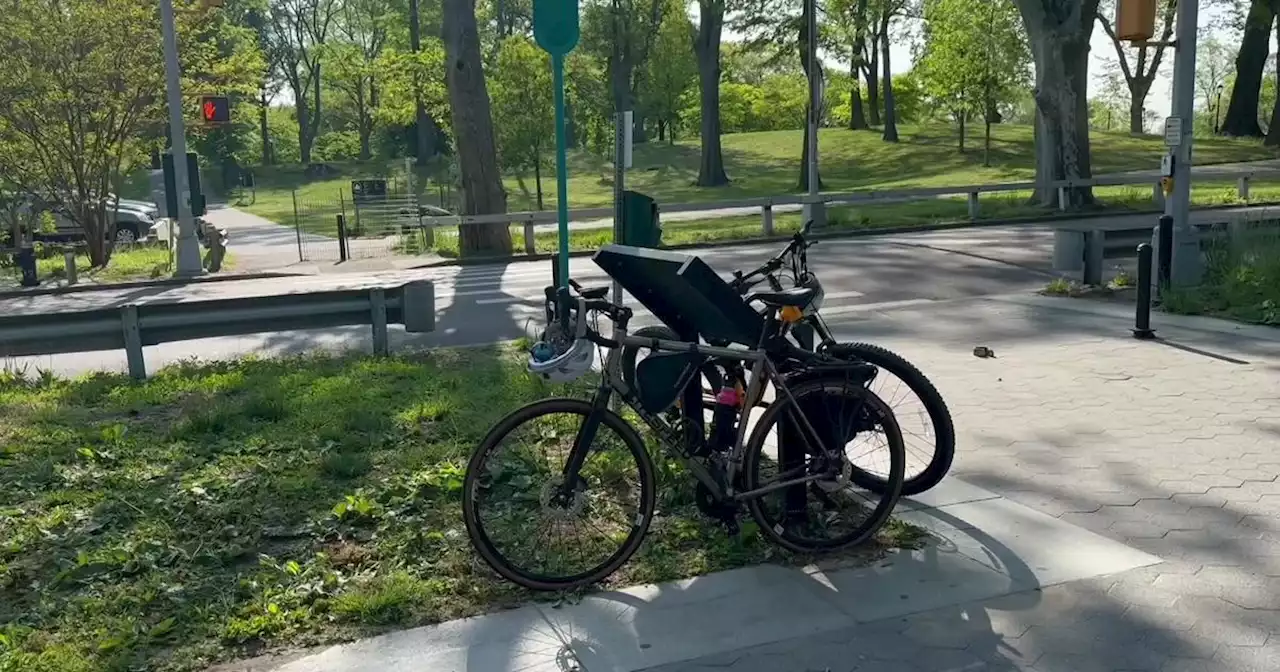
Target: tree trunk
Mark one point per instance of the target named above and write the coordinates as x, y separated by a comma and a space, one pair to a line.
1241, 119
986, 143
1273, 128
1060, 48
473, 132
857, 118
537, 177
662, 130
890, 113
265, 130
706, 46
1137, 109
871, 70
424, 127
316, 116
304, 128
962, 117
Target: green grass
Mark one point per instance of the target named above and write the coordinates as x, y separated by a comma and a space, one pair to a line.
762, 164
136, 263
220, 510
999, 206
1241, 282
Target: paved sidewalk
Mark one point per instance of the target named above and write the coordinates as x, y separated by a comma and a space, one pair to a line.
1170, 448
1114, 507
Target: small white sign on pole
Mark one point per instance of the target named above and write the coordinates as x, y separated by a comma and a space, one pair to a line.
627, 128
1172, 131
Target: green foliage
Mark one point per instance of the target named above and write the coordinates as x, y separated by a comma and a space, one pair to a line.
671, 70
523, 112
338, 146
975, 54
1241, 281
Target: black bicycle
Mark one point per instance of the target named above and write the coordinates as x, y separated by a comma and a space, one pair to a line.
922, 413
566, 468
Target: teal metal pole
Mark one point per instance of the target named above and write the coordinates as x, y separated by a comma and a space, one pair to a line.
562, 177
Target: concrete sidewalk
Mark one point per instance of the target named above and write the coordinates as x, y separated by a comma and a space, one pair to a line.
1114, 506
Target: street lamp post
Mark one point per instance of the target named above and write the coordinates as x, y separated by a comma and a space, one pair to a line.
188, 255
814, 209
1187, 265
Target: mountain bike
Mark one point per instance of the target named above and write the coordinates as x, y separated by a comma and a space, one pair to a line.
919, 407
567, 466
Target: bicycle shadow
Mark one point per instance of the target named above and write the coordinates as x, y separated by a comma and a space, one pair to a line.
706, 619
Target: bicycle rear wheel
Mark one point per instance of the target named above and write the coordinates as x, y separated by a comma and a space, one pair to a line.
543, 536
832, 513
928, 431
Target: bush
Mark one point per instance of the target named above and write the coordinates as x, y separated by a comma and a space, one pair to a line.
1241, 281
337, 146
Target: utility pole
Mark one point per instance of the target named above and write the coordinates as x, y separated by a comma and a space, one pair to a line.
188, 255
814, 208
1186, 244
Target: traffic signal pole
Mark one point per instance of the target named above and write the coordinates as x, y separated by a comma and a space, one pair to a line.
1187, 265
187, 258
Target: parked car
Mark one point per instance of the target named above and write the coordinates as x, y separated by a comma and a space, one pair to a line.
134, 221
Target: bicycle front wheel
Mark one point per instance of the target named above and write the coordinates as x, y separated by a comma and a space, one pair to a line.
535, 530
831, 513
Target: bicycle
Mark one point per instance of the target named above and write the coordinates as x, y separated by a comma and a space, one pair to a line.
930, 450
577, 480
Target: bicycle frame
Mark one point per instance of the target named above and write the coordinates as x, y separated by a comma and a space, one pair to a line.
762, 370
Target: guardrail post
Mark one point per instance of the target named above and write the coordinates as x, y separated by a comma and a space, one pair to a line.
973, 205
133, 342
69, 263
529, 239
1093, 256
1157, 194
1242, 188
1164, 245
378, 304
766, 217
418, 306
1142, 317
1062, 199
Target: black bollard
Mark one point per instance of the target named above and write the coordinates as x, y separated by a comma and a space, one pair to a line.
1142, 320
1164, 240
343, 252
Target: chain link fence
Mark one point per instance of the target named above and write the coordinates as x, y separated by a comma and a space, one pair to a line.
380, 217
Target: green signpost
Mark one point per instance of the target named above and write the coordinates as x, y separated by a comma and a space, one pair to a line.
555, 28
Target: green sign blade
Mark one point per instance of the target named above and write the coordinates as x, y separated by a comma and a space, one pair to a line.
555, 25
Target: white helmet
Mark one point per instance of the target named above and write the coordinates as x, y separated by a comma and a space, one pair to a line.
567, 366
561, 357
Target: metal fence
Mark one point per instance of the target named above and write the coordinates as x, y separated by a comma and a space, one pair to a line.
375, 225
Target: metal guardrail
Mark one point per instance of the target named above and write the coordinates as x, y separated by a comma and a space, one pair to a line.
530, 220
133, 326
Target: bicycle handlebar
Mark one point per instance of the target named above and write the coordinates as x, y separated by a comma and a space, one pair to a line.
799, 244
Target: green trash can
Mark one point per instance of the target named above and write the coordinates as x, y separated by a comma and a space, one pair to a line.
640, 227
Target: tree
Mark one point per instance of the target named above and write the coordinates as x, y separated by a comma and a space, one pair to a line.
849, 21
1146, 60
362, 27
523, 107
706, 46
1111, 103
1213, 67
888, 10
670, 70
81, 84
622, 33
300, 29
1241, 119
473, 131
974, 59
1058, 32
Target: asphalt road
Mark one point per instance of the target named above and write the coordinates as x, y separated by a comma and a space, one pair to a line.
483, 304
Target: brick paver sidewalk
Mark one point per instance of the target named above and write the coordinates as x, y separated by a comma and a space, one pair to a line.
1172, 450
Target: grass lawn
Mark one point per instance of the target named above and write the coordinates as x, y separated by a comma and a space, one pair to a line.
1005, 205
227, 509
760, 164
136, 263
1241, 282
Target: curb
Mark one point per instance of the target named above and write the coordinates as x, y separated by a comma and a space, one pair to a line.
162, 282
838, 235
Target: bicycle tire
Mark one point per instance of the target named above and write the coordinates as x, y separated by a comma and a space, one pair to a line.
889, 493
944, 448
480, 539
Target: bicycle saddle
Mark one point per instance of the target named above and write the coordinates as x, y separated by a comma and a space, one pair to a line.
796, 297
